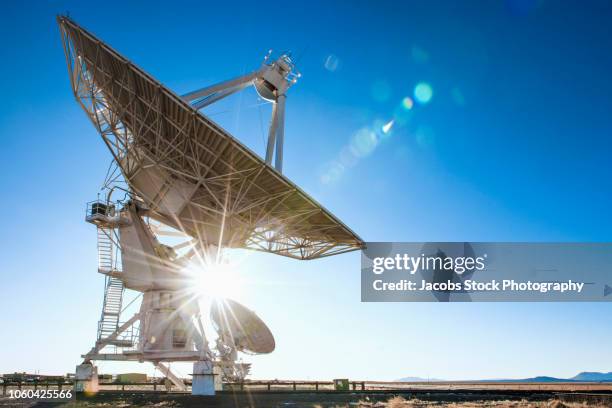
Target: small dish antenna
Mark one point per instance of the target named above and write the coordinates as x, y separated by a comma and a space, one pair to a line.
241, 328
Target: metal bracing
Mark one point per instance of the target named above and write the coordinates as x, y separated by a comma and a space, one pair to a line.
156, 136
103, 342
165, 370
219, 95
208, 91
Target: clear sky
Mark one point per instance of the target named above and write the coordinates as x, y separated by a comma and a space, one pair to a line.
513, 145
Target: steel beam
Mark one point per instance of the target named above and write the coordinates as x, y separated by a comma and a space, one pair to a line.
219, 95
209, 90
100, 344
171, 376
272, 134
280, 132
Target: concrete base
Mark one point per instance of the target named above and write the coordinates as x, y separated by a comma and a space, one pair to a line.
205, 380
86, 378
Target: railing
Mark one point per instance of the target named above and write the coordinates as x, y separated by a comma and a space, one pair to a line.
328, 386
99, 207
105, 213
160, 386
291, 386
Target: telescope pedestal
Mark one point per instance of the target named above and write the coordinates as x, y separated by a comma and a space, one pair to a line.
86, 378
205, 378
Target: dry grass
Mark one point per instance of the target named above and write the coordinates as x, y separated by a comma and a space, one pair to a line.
394, 402
399, 402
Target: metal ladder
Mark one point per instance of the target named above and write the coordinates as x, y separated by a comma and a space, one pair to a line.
113, 288
111, 309
106, 250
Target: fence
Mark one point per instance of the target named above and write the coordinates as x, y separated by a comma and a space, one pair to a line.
274, 385
327, 386
290, 386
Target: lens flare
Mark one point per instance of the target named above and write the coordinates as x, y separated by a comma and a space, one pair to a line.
387, 126
423, 92
364, 142
331, 63
407, 103
214, 279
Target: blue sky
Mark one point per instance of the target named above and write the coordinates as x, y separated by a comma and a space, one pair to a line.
514, 145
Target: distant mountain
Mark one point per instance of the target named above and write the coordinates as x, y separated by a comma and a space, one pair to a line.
417, 379
542, 378
582, 377
593, 377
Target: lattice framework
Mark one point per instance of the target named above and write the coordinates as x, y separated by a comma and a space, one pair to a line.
236, 199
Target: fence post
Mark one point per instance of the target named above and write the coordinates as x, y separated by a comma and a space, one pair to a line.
269, 385
363, 385
317, 386
294, 386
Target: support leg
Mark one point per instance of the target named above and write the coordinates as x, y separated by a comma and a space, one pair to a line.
272, 134
171, 376
206, 378
280, 133
86, 378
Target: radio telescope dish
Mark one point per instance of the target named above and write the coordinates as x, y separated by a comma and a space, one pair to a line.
180, 169
190, 173
241, 326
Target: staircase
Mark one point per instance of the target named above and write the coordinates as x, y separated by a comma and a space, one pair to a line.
113, 290
106, 250
111, 309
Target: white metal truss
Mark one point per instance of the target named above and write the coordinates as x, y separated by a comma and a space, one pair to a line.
229, 192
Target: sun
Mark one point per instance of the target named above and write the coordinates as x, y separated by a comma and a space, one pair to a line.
214, 279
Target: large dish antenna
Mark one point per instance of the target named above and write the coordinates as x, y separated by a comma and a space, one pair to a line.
241, 327
185, 172
189, 172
